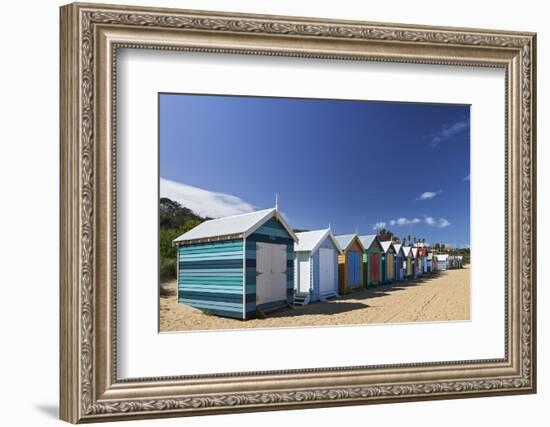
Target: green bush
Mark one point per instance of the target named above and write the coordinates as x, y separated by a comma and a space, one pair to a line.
167, 235
174, 220
168, 269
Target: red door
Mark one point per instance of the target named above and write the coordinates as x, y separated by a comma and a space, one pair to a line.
375, 267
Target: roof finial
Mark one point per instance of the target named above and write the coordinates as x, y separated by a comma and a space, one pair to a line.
356, 230
277, 201
329, 226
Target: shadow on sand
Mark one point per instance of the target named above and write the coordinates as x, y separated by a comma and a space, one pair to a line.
315, 308
356, 299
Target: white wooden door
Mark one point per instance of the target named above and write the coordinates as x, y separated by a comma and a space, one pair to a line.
326, 270
270, 272
304, 273
279, 269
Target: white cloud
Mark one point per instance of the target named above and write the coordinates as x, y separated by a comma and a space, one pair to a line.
439, 223
204, 202
447, 132
405, 221
379, 225
429, 195
429, 220
442, 223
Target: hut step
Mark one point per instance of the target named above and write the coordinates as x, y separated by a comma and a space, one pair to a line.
301, 299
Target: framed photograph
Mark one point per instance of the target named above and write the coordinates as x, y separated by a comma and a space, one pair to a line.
265, 213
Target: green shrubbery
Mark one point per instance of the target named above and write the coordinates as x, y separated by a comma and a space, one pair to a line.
168, 269
174, 220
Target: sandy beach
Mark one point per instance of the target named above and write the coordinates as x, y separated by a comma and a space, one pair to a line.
442, 296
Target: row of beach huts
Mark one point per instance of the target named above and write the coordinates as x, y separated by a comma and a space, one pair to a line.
247, 265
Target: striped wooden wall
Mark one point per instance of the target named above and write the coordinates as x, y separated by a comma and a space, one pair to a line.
211, 277
271, 232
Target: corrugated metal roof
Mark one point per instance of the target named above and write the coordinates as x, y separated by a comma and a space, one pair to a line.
386, 245
368, 240
236, 225
345, 240
311, 240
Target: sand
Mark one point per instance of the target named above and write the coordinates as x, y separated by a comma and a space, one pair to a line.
441, 296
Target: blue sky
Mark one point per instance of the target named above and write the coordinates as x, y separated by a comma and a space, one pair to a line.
348, 163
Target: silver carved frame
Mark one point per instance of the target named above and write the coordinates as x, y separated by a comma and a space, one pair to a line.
90, 36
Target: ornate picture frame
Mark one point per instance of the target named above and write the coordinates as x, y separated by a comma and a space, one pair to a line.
90, 37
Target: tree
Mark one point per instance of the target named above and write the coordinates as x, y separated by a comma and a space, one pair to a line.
173, 215
385, 235
167, 235
174, 220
